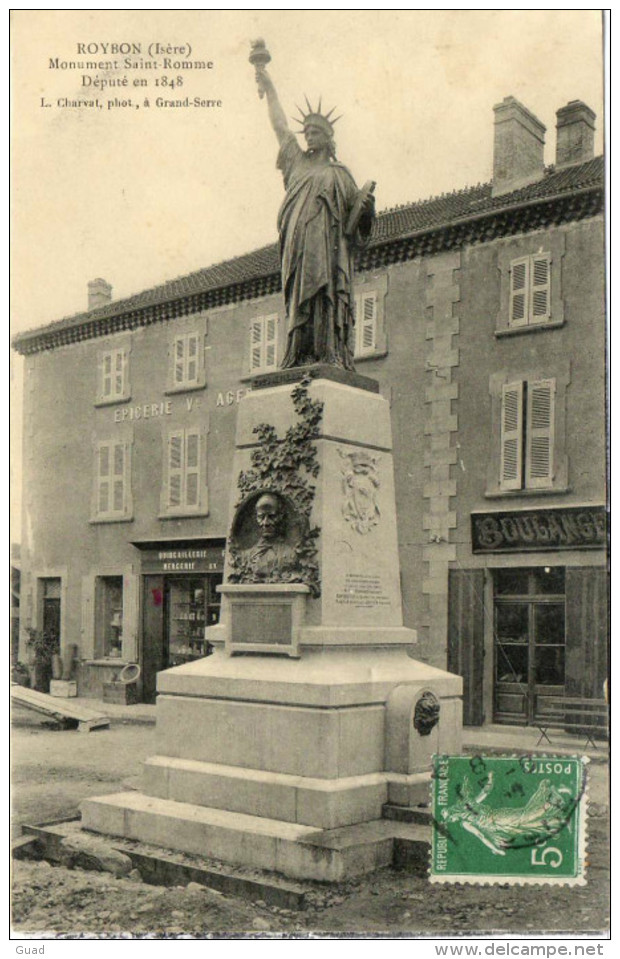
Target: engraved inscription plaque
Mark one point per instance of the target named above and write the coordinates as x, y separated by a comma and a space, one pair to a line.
262, 622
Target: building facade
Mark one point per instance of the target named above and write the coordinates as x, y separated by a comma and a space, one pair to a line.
481, 314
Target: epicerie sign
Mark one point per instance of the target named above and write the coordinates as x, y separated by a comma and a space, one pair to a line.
145, 412
149, 411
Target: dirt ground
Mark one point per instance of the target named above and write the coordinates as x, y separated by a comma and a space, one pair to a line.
53, 770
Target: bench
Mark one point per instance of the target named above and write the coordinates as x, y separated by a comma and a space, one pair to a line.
587, 716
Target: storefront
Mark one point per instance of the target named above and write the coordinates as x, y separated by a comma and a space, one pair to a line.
179, 599
529, 620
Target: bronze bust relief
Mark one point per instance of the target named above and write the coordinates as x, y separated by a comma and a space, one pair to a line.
265, 533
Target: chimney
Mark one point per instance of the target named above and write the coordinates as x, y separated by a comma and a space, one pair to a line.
99, 293
518, 152
575, 130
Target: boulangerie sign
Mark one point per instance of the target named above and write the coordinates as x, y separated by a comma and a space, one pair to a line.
577, 527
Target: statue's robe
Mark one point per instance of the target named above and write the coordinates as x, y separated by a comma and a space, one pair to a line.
317, 257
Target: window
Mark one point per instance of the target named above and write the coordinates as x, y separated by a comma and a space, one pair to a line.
113, 375
529, 639
186, 355
108, 615
527, 434
365, 324
190, 604
530, 290
184, 486
369, 304
527, 452
186, 359
112, 480
531, 284
263, 344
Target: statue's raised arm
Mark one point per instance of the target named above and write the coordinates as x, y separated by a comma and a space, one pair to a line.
323, 218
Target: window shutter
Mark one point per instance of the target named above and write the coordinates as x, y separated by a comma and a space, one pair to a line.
118, 503
540, 292
466, 617
540, 417
256, 342
270, 337
103, 478
368, 324
519, 281
511, 465
192, 358
106, 383
119, 362
192, 467
179, 359
175, 468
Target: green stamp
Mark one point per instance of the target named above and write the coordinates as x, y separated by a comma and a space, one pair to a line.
509, 819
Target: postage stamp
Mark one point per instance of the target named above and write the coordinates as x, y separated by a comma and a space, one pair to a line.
509, 819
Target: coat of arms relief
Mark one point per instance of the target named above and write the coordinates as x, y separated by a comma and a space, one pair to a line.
360, 486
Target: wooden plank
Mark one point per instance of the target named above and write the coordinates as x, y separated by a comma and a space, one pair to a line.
60, 709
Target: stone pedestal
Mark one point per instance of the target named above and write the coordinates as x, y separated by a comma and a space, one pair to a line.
281, 748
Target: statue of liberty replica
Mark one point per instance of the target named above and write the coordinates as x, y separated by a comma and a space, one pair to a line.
324, 218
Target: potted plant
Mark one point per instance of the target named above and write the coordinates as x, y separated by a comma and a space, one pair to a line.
20, 674
44, 647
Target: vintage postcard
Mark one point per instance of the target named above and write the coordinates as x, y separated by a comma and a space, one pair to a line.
309, 624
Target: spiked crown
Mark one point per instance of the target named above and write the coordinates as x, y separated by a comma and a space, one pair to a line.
316, 118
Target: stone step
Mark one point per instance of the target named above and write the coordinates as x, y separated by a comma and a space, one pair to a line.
414, 814
322, 803
300, 852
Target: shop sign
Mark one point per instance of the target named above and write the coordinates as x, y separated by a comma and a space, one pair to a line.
575, 527
194, 559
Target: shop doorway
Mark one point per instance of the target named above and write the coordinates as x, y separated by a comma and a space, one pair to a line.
175, 611
529, 641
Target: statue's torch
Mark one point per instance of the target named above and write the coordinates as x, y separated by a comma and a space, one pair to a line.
259, 57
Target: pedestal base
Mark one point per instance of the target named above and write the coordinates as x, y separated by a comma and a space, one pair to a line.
286, 764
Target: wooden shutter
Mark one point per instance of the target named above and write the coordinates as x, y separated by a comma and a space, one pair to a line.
175, 468
106, 380
256, 343
270, 341
103, 477
179, 359
87, 644
192, 358
118, 479
511, 459
540, 305
466, 638
119, 372
586, 631
192, 467
519, 283
539, 430
367, 324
